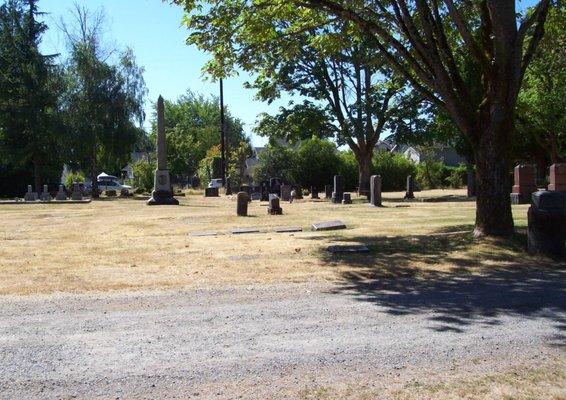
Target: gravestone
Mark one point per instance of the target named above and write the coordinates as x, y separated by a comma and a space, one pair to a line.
240, 231
274, 206
45, 195
410, 188
30, 196
255, 196
338, 193
347, 198
242, 204
285, 192
265, 191
228, 187
546, 229
328, 226
76, 194
314, 192
162, 193
525, 184
357, 249
211, 192
375, 190
298, 193
328, 191
61, 195
203, 233
557, 178
288, 229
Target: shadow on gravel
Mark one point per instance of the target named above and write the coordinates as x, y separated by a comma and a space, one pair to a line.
453, 278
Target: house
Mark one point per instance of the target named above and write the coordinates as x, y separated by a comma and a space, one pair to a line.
448, 155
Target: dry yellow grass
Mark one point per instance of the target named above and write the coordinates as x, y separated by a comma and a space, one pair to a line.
122, 243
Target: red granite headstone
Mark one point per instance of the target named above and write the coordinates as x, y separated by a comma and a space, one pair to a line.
557, 178
525, 184
525, 179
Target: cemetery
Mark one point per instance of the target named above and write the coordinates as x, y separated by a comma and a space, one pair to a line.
353, 200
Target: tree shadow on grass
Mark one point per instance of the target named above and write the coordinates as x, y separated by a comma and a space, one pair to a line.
452, 278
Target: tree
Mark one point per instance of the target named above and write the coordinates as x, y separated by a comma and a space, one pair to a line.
104, 101
192, 128
350, 90
296, 123
413, 35
541, 116
275, 162
237, 162
30, 127
316, 162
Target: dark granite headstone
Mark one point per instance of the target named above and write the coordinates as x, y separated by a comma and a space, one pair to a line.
61, 194
298, 193
547, 224
338, 193
314, 192
76, 194
30, 196
285, 192
211, 192
255, 196
274, 207
410, 188
347, 198
525, 184
375, 190
242, 204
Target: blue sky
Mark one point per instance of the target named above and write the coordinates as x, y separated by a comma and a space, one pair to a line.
152, 29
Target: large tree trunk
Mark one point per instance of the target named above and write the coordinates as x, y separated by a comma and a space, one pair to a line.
364, 172
471, 179
37, 174
493, 178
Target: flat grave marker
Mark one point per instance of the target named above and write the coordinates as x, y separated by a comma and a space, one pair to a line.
328, 226
348, 249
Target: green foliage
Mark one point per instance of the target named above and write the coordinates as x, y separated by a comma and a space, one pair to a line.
237, 162
430, 171
456, 176
192, 124
393, 168
275, 162
73, 177
541, 113
104, 99
316, 162
144, 172
209, 166
31, 130
299, 122
348, 168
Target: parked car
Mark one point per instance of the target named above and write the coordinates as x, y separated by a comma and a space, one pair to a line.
104, 185
215, 183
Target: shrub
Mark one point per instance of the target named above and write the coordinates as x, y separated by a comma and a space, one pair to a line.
430, 174
349, 169
73, 177
316, 162
275, 162
455, 176
143, 176
393, 168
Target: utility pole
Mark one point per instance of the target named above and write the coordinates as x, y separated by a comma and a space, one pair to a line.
222, 136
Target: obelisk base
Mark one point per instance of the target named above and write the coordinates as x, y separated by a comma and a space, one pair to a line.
162, 195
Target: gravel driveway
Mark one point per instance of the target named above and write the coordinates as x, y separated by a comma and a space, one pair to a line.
255, 342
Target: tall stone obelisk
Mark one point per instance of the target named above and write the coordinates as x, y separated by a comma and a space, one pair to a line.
162, 193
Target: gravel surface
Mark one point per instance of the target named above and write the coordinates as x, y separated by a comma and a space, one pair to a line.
257, 342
